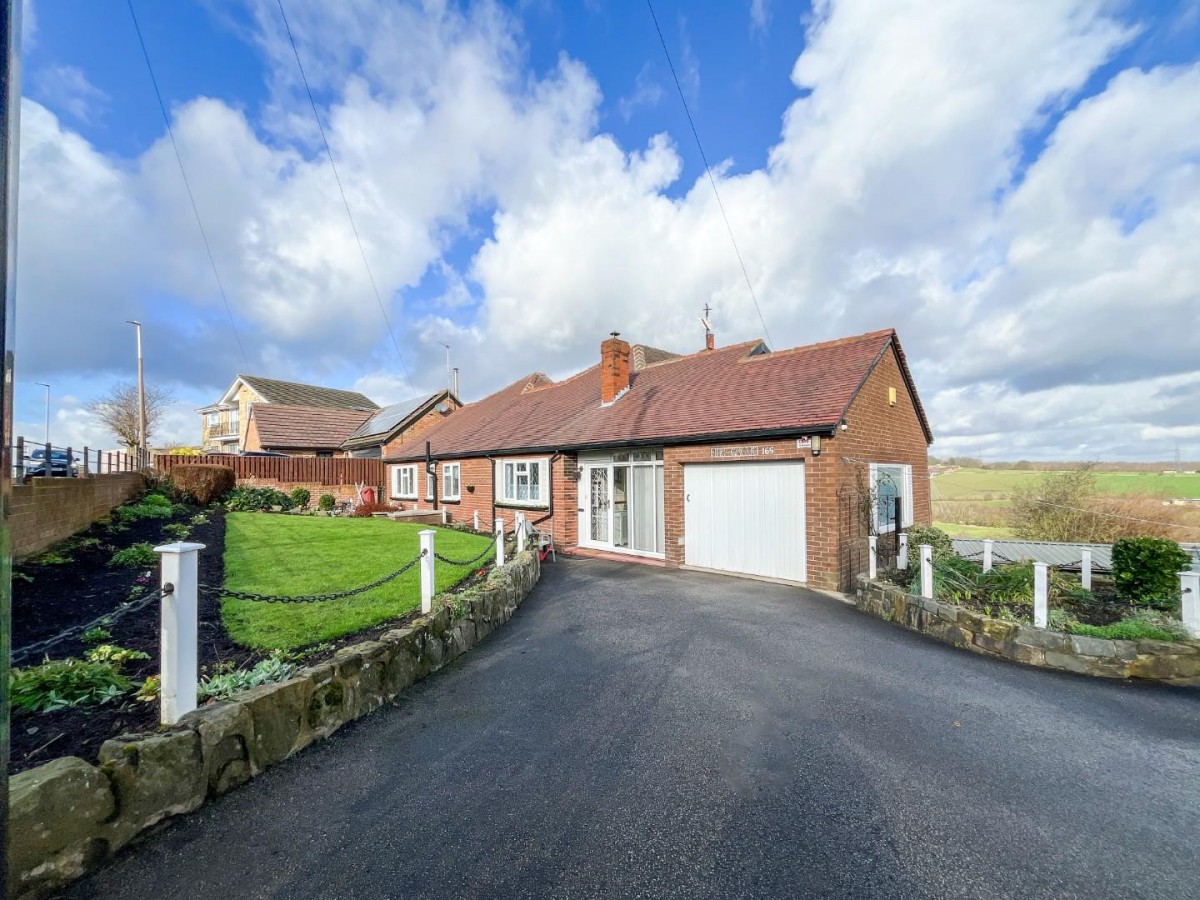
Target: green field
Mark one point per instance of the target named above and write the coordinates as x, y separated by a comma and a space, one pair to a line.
997, 533
297, 555
999, 484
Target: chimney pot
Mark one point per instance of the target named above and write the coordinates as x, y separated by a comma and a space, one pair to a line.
710, 341
614, 367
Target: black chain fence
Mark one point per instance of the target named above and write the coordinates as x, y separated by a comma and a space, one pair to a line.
468, 562
126, 609
311, 598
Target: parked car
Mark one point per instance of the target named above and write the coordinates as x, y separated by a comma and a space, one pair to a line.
61, 465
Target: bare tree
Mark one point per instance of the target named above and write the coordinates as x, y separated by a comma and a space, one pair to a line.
118, 410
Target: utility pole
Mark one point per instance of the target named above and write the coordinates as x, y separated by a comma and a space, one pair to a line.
141, 395
10, 130
47, 387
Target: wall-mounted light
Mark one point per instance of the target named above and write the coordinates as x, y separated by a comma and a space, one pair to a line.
816, 445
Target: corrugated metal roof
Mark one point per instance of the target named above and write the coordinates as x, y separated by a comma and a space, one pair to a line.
1063, 555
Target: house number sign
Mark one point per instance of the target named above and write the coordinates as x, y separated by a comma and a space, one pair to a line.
737, 452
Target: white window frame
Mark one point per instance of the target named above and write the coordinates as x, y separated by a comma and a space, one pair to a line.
429, 478
543, 479
451, 475
399, 478
906, 508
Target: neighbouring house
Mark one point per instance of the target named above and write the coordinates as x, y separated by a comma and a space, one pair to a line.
400, 422
300, 430
737, 459
226, 423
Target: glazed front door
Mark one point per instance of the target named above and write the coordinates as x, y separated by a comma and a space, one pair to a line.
598, 503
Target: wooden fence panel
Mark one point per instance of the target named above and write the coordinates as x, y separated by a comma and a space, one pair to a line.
338, 470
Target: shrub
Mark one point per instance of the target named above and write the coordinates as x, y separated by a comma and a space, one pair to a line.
1146, 570
246, 498
935, 538
138, 555
95, 635
150, 689
225, 685
153, 506
204, 483
178, 530
199, 519
368, 509
65, 683
326, 502
301, 497
111, 653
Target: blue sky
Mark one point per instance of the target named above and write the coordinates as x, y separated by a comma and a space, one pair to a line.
994, 184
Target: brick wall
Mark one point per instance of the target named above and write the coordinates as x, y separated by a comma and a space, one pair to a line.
878, 432
44, 511
419, 427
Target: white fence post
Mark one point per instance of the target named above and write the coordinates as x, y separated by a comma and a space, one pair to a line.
499, 542
872, 557
1085, 570
926, 571
520, 529
476, 519
987, 555
179, 634
902, 555
1189, 590
445, 515
1041, 595
428, 579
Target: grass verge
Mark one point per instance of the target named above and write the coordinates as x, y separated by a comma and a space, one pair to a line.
974, 531
293, 555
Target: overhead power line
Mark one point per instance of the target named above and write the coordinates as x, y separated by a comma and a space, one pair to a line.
708, 172
341, 190
187, 184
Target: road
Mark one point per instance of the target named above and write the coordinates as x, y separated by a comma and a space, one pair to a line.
640, 732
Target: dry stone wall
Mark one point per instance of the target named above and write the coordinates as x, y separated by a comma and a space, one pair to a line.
1173, 662
68, 816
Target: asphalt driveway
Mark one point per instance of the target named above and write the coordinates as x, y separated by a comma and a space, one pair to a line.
640, 732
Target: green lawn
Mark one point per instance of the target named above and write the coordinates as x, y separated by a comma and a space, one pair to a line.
291, 555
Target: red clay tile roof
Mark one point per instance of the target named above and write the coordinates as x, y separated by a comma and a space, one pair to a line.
725, 392
282, 427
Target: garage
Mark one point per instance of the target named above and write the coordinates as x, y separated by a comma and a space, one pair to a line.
746, 518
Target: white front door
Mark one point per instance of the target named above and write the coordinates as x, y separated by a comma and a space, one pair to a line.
746, 518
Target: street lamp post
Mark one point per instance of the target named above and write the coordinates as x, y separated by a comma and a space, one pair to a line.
47, 387
141, 396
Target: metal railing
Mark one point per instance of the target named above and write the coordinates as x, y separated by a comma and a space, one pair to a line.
35, 459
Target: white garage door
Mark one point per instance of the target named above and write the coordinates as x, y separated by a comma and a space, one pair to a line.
746, 518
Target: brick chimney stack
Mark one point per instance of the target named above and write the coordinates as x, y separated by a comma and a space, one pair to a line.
710, 341
614, 368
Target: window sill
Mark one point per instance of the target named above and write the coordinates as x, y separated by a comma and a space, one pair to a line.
522, 504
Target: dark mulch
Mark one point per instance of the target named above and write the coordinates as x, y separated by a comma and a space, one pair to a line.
61, 595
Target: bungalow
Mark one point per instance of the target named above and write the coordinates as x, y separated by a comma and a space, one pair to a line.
737, 459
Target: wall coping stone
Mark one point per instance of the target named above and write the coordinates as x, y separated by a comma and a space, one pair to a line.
68, 817
1170, 662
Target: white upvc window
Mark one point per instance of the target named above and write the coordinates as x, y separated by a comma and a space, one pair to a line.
404, 482
451, 481
523, 482
429, 486
889, 481
212, 419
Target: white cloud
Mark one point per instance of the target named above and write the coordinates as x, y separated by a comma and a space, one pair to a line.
1046, 300
646, 92
760, 15
67, 89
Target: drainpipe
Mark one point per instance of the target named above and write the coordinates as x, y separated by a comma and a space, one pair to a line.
431, 474
492, 465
